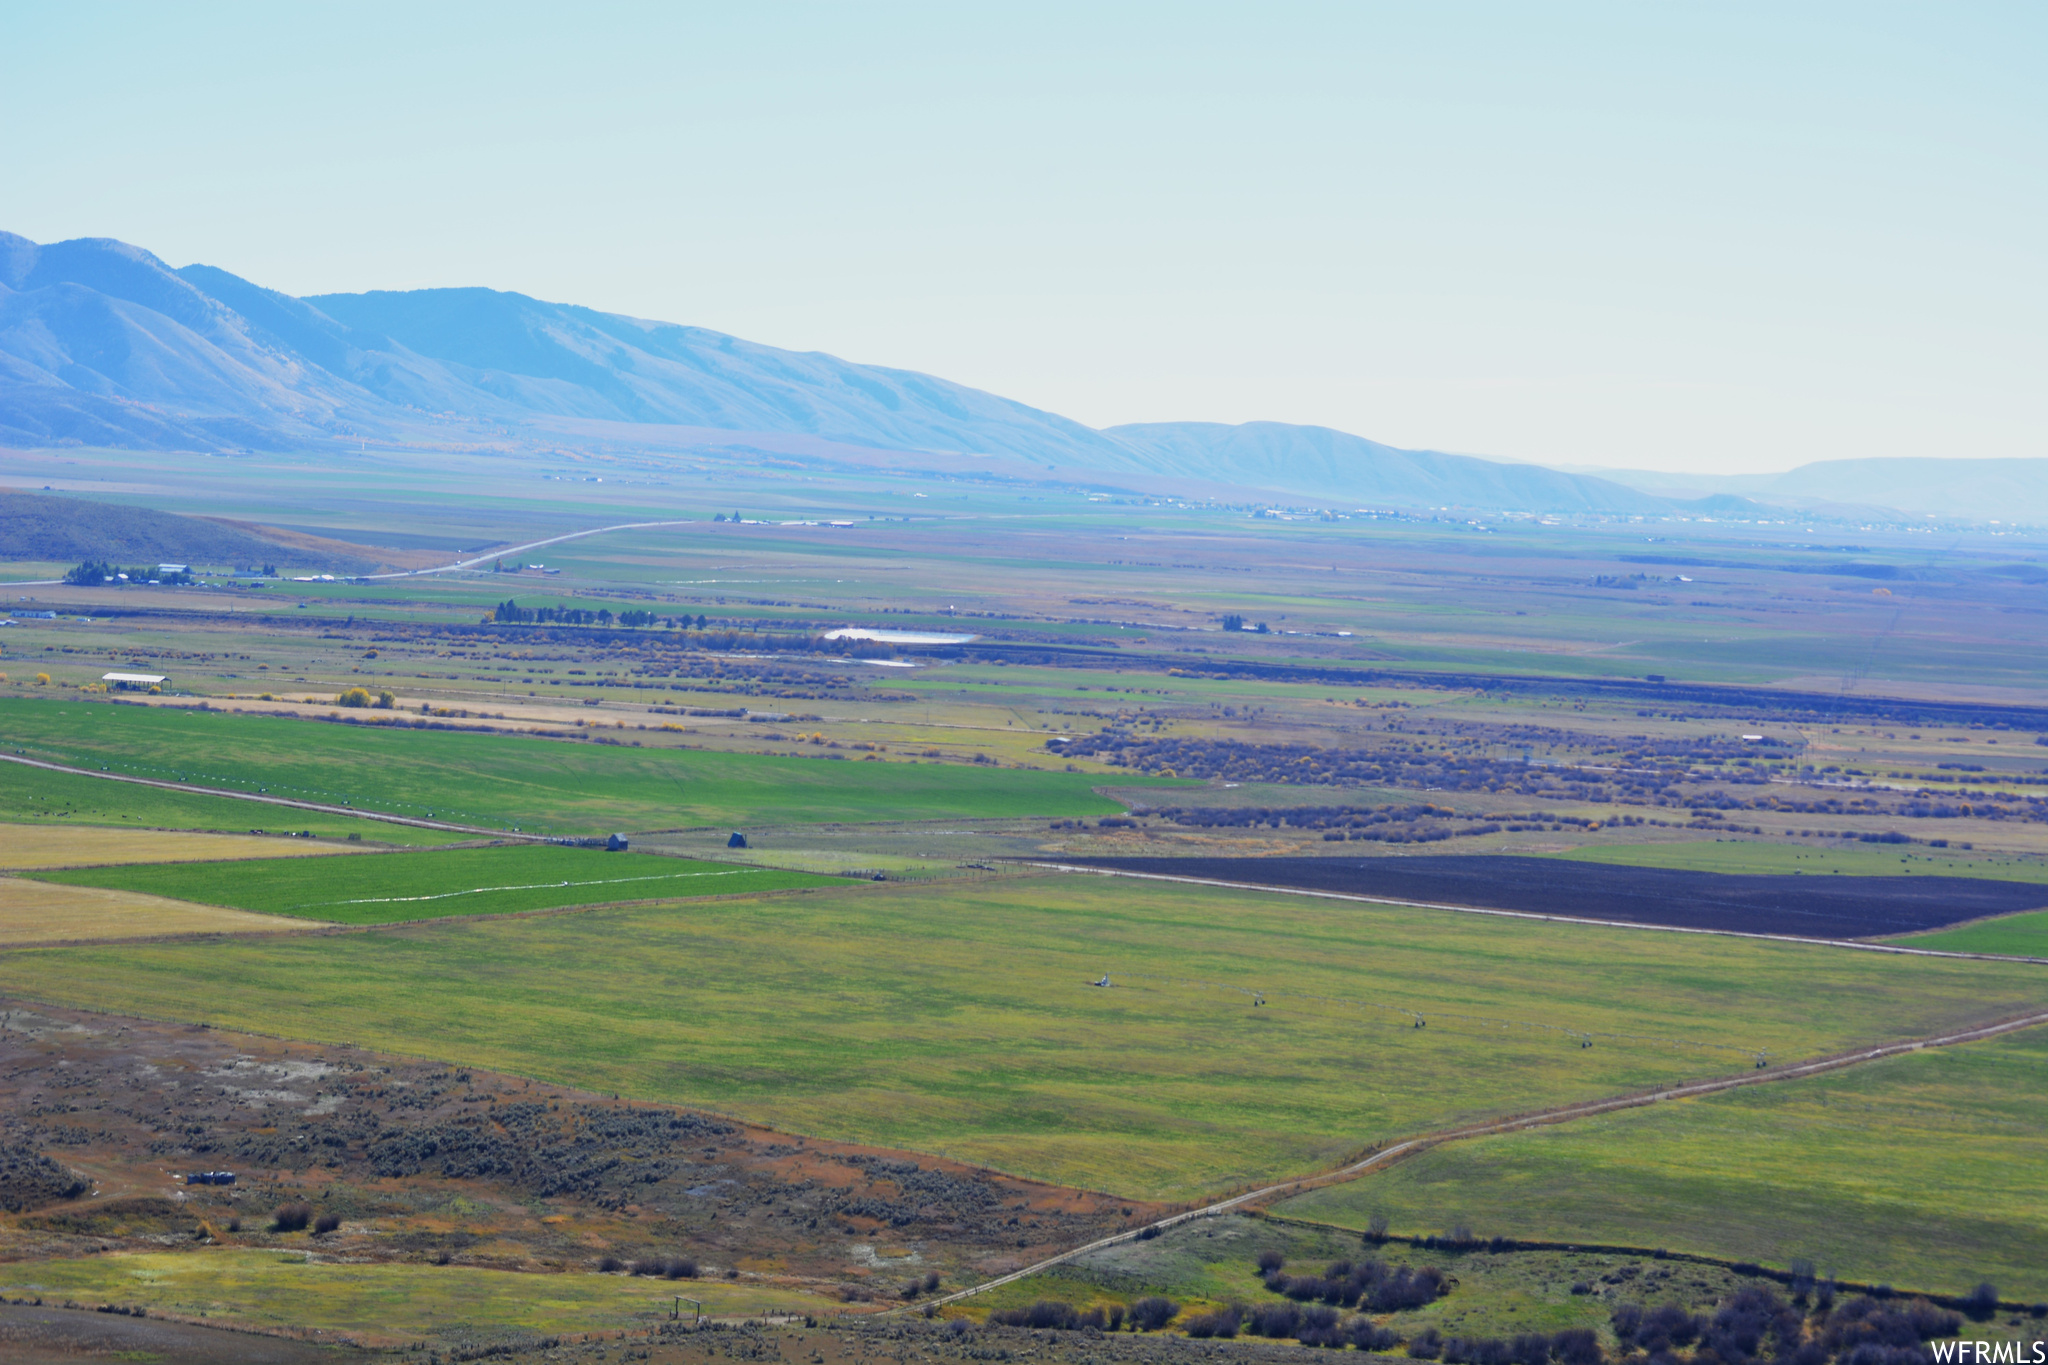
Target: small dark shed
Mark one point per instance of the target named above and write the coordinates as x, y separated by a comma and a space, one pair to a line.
738, 840
615, 844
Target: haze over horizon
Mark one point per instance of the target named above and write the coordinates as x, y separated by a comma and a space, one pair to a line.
1721, 242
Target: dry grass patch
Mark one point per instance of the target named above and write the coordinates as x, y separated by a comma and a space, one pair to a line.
26, 846
379, 1304
40, 912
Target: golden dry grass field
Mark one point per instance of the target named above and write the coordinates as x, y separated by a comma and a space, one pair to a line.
40, 912
32, 846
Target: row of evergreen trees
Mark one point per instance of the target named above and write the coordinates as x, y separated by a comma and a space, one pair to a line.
509, 612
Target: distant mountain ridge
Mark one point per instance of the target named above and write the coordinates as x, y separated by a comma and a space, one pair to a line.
102, 343
2013, 489
1282, 455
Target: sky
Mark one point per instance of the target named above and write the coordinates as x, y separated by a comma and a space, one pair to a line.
1715, 237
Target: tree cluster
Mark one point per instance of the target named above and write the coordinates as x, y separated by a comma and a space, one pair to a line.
510, 613
94, 573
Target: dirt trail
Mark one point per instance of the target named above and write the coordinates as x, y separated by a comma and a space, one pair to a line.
1560, 1114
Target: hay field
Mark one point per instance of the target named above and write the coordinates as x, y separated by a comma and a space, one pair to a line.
391, 888
1925, 1171
41, 797
958, 1018
37, 846
502, 781
38, 912
2022, 935
387, 1304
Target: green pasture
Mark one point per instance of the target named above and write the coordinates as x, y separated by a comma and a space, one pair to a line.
2023, 935
1814, 857
271, 1290
506, 781
958, 1017
1926, 1171
390, 888
39, 796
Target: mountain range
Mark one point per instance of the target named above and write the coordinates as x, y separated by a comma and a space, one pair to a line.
102, 343
2007, 490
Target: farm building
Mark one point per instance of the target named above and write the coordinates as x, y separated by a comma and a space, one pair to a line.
127, 682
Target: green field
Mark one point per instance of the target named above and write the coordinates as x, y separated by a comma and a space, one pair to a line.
39, 796
503, 781
957, 1017
271, 1290
1928, 1171
387, 888
1814, 857
2024, 935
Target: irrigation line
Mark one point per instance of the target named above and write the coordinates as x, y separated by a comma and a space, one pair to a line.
1857, 944
1562, 1114
286, 802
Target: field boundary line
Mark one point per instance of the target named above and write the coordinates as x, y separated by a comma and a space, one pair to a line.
265, 799
1561, 1114
1857, 944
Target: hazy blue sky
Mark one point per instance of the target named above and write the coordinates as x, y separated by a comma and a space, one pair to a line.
1718, 236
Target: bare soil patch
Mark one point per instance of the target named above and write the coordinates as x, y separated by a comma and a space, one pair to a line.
1804, 907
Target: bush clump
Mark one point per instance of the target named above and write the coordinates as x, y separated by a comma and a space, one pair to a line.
1045, 1315
363, 697
291, 1217
1224, 1322
1369, 1286
664, 1267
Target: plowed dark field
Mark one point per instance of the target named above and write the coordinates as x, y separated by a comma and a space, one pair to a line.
1808, 907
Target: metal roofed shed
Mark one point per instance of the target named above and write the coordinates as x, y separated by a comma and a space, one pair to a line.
126, 681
